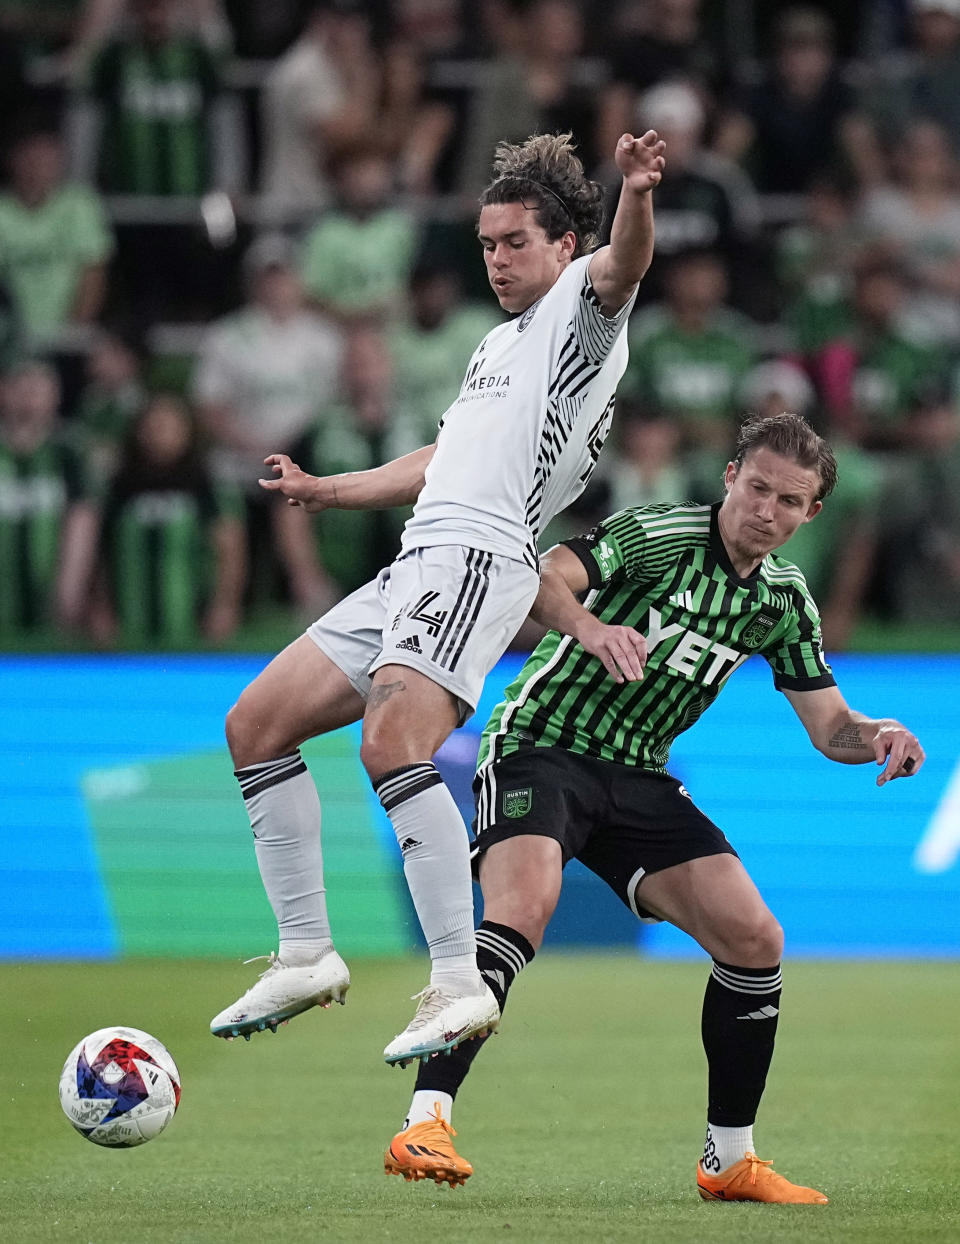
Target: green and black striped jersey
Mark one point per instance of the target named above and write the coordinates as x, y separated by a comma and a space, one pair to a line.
662, 569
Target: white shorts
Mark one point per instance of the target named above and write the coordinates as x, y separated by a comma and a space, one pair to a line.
447, 611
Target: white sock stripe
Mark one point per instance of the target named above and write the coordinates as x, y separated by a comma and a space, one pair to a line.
747, 984
502, 949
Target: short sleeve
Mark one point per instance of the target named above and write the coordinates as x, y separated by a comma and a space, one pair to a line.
796, 654
595, 332
613, 549
92, 238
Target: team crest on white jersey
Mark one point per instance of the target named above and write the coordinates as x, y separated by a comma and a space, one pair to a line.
528, 315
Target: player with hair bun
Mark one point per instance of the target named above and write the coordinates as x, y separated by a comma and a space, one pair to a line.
408, 652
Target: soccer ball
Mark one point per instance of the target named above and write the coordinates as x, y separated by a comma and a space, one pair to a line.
119, 1087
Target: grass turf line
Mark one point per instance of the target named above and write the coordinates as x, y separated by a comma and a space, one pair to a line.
583, 1119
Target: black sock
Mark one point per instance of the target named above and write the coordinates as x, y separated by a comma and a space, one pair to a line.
739, 1026
502, 954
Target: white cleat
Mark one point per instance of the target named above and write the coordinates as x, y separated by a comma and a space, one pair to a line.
282, 992
442, 1021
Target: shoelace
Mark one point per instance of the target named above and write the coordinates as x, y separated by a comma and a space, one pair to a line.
272, 961
437, 1113
755, 1164
429, 1005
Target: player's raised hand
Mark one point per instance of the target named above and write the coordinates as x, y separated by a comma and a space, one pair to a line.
641, 160
297, 486
898, 750
622, 650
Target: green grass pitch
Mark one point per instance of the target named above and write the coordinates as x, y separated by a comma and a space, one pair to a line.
583, 1119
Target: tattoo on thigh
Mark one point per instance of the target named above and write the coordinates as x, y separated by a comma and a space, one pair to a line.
848, 737
383, 691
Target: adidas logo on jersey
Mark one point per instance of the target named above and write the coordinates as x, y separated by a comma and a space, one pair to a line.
683, 600
410, 644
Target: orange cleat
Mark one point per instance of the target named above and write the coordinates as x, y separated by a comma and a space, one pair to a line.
425, 1151
752, 1179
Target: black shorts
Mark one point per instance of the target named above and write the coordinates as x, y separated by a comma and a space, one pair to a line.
619, 821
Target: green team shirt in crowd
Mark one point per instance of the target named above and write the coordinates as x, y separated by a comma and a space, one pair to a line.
44, 251
158, 549
156, 101
36, 490
663, 570
358, 265
694, 373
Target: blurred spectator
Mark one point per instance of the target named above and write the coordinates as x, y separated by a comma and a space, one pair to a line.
690, 353
357, 258
704, 200
99, 20
263, 375
54, 241
536, 81
922, 82
816, 256
47, 517
921, 532
789, 126
156, 120
864, 364
320, 98
110, 401
645, 466
172, 544
838, 552
916, 218
431, 346
329, 554
647, 43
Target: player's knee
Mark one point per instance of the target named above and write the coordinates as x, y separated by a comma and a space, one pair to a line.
249, 742
381, 752
756, 941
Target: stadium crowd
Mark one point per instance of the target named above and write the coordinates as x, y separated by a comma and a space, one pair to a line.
229, 228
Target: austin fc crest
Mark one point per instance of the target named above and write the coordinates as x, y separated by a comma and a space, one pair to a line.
758, 630
517, 803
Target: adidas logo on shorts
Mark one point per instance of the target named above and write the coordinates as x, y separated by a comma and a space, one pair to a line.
411, 645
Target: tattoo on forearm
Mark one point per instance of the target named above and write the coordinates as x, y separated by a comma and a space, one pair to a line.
847, 738
383, 691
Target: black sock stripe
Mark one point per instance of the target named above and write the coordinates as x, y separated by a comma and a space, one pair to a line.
292, 767
403, 784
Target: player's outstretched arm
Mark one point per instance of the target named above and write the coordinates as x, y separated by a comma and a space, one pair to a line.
622, 650
395, 483
616, 269
852, 738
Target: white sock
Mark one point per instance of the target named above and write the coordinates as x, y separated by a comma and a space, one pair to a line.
284, 810
298, 952
436, 864
424, 1105
724, 1146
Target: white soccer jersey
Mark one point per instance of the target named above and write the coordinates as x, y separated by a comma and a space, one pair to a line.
522, 439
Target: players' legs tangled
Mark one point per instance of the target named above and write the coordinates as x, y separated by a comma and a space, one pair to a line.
521, 880
407, 718
300, 694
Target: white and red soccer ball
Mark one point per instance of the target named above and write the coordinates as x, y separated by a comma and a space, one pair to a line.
119, 1087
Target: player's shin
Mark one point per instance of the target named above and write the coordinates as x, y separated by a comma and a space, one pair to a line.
284, 810
436, 864
502, 954
739, 1025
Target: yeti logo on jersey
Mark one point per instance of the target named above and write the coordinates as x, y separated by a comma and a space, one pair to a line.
527, 316
517, 803
758, 630
692, 655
